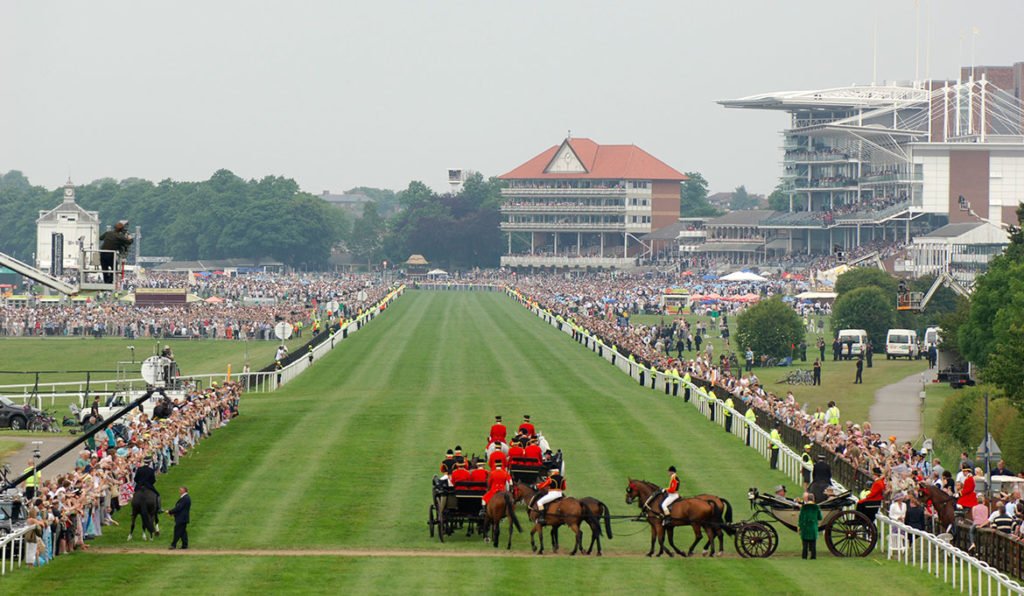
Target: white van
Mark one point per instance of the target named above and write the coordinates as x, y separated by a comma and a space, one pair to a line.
932, 336
852, 342
901, 342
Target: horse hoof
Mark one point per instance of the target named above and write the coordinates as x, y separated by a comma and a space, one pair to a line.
129, 538
719, 554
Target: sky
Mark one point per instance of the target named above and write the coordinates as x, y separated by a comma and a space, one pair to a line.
337, 94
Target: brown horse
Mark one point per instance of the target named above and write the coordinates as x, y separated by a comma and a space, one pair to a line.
500, 506
566, 511
702, 514
943, 502
594, 510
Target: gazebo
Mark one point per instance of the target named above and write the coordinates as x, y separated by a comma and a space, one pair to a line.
416, 266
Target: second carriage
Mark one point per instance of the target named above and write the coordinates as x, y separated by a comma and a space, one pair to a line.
848, 532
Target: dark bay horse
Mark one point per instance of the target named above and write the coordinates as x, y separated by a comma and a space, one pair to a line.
594, 510
566, 511
943, 502
703, 514
500, 506
144, 504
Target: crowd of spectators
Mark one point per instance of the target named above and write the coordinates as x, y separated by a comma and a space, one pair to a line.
68, 510
243, 307
597, 304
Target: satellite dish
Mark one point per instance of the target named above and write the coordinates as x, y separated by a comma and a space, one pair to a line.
283, 330
154, 370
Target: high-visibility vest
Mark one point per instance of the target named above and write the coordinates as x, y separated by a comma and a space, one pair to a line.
832, 415
806, 457
728, 404
751, 416
686, 378
32, 480
776, 438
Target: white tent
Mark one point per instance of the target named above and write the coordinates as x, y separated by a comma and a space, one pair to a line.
437, 274
742, 276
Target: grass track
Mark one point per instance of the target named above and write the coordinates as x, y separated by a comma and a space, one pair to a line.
342, 457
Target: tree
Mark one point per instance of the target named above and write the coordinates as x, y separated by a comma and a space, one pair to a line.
771, 327
367, 234
741, 199
693, 197
869, 308
864, 277
779, 199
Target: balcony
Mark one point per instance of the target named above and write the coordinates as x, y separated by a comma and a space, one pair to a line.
561, 192
546, 226
898, 178
561, 208
693, 234
566, 261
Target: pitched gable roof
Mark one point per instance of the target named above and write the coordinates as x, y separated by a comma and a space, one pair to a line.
607, 162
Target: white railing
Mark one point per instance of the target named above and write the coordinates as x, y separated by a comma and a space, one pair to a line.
12, 549
941, 559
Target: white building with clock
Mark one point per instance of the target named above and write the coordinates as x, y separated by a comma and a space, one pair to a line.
81, 229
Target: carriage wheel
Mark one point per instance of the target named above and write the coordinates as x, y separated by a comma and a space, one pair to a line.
851, 534
442, 524
432, 519
756, 540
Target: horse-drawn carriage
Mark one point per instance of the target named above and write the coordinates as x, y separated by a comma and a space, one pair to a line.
848, 533
453, 507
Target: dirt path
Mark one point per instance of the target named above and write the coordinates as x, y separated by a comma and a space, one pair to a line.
51, 443
897, 407
351, 552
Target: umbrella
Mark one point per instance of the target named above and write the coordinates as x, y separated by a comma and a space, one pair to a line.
214, 300
709, 277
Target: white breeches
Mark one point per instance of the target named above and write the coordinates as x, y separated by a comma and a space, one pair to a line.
551, 496
669, 499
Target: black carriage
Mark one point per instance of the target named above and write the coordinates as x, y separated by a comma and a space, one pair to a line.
455, 507
848, 533
530, 471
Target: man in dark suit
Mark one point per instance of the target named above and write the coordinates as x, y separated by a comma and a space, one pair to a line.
181, 518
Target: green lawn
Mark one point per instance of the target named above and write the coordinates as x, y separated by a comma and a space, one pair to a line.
9, 447
342, 459
836, 377
76, 353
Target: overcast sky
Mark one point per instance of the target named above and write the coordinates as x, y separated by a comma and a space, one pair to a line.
378, 93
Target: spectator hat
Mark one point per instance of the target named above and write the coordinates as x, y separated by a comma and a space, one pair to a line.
779, 487
807, 447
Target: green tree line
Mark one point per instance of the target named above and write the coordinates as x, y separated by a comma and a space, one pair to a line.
222, 217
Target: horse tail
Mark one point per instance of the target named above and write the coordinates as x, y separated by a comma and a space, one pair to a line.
728, 527
510, 511
607, 519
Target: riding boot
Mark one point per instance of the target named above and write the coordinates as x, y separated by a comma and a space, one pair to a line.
666, 521
540, 517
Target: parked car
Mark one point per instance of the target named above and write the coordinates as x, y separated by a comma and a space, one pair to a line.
15, 415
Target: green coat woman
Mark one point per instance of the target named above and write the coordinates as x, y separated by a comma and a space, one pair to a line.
810, 515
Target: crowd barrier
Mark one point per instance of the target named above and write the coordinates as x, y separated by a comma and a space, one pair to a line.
942, 560
979, 574
456, 287
12, 549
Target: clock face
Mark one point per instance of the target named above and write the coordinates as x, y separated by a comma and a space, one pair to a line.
69, 192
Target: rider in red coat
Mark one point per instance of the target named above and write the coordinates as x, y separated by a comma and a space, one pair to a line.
498, 431
497, 458
968, 497
499, 481
872, 501
458, 476
479, 474
533, 451
527, 426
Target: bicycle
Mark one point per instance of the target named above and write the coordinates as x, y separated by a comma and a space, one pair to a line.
798, 377
43, 422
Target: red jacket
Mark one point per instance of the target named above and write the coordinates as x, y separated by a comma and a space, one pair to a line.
459, 475
530, 430
498, 433
533, 451
516, 452
968, 498
478, 475
498, 482
875, 494
496, 457
673, 484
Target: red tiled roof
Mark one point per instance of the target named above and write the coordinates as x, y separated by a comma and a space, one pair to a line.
607, 162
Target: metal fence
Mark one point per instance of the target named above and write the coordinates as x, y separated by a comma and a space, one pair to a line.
12, 549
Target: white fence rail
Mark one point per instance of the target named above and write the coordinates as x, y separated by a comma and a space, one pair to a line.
12, 549
942, 560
